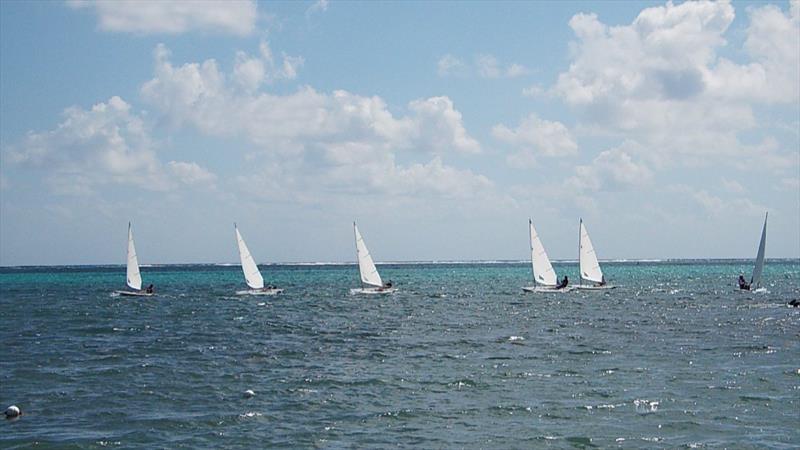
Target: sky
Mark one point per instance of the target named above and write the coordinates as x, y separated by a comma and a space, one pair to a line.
440, 127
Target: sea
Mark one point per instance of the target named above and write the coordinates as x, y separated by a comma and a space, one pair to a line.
459, 357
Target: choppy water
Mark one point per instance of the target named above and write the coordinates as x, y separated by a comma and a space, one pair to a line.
460, 357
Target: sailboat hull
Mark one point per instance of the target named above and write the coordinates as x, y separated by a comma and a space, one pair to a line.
761, 290
546, 289
591, 287
372, 291
269, 291
135, 293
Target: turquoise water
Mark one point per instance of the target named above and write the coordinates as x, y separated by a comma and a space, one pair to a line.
460, 357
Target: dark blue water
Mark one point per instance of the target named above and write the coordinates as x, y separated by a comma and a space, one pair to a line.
460, 357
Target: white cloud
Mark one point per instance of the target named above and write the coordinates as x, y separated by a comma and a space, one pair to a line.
732, 186
172, 16
535, 136
450, 65
773, 45
718, 207
789, 184
484, 66
534, 90
660, 82
611, 170
439, 125
197, 94
250, 72
317, 7
191, 173
108, 144
337, 142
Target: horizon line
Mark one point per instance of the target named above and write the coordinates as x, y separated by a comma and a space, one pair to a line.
399, 262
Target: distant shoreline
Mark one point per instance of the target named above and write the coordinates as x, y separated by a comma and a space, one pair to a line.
401, 263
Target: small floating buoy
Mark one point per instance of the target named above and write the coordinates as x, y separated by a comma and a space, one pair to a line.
12, 412
249, 393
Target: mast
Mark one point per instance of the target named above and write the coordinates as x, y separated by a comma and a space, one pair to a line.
530, 240
580, 275
358, 260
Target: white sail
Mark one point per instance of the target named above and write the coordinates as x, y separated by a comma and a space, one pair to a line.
369, 273
755, 282
249, 267
134, 278
543, 272
589, 266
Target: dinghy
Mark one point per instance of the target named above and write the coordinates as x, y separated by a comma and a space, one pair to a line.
133, 278
252, 275
588, 264
544, 277
755, 280
371, 282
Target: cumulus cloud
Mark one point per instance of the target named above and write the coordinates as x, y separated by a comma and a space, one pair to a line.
660, 81
251, 71
484, 65
611, 170
536, 137
716, 206
107, 144
172, 16
340, 140
191, 173
438, 125
198, 94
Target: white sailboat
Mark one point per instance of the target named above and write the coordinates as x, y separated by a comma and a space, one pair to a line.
133, 278
371, 282
251, 273
544, 276
588, 264
755, 280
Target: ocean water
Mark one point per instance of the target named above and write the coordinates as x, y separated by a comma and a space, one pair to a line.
459, 358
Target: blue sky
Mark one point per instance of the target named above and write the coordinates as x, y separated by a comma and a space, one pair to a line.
441, 127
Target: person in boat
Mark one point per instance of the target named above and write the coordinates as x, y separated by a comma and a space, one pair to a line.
149, 289
743, 283
387, 285
602, 281
563, 283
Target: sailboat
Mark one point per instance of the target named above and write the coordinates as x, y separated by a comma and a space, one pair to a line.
588, 264
544, 277
133, 278
755, 280
371, 282
251, 273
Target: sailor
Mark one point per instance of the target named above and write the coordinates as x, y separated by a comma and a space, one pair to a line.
743, 284
149, 289
563, 283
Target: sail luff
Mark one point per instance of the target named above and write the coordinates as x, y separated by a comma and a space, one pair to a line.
366, 266
587, 258
755, 281
543, 272
132, 275
249, 267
